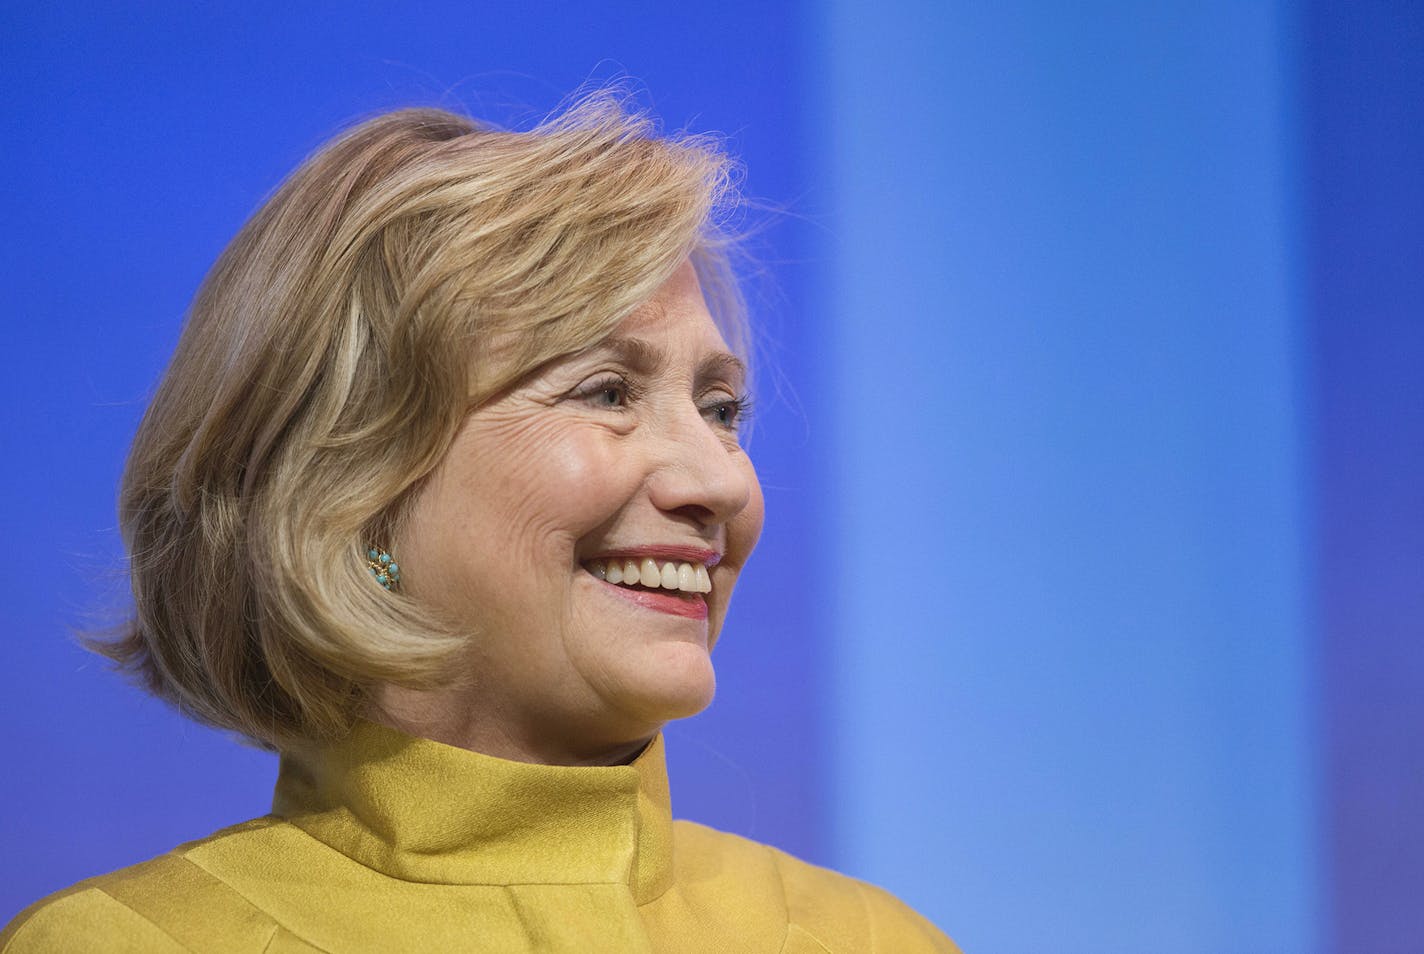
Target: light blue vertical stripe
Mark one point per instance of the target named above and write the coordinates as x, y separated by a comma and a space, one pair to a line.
1072, 648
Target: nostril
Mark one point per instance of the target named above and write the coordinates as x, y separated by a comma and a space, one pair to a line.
695, 512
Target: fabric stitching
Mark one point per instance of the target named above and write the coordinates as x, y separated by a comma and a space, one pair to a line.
467, 884
140, 915
869, 918
277, 924
19, 932
21, 921
785, 901
525, 923
807, 934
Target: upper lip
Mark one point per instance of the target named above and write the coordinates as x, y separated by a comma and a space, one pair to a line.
664, 551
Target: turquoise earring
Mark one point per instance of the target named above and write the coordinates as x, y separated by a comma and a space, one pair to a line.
383, 568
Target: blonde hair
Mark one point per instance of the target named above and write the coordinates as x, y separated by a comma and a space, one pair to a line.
327, 362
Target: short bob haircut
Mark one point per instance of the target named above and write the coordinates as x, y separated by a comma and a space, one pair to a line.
327, 362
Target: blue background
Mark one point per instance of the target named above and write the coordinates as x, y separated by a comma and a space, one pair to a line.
1088, 613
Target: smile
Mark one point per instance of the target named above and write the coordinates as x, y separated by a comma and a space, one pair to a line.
653, 575
669, 587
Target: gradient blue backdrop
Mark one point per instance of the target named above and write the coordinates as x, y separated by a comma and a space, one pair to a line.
1087, 616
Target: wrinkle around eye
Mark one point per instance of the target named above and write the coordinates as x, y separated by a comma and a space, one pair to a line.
595, 389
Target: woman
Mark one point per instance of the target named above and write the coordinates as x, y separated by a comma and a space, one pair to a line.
442, 498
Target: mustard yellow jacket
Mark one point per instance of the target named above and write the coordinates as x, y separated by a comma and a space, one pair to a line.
387, 843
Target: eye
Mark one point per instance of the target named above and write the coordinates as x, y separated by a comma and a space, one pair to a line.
611, 391
609, 396
728, 413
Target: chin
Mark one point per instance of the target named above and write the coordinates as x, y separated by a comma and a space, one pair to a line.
680, 682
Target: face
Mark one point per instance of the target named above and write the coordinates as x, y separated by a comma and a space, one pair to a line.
619, 461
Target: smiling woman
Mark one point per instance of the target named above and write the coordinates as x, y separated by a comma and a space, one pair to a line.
504, 373
627, 507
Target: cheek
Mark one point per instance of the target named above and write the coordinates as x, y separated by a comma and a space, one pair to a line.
544, 487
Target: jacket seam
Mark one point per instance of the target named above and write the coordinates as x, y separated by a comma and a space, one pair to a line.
785, 901
276, 924
860, 894
139, 914
469, 884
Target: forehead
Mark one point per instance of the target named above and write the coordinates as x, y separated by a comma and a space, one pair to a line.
674, 331
676, 314
673, 325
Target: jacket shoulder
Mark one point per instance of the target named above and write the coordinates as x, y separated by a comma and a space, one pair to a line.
166, 904
827, 912
83, 918
846, 914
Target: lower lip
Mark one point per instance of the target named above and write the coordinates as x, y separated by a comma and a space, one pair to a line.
691, 607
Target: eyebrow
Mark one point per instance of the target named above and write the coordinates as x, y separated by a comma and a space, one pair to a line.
647, 358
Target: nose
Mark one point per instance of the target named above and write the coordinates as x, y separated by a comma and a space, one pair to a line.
701, 473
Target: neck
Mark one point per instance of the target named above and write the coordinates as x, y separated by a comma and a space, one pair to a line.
439, 715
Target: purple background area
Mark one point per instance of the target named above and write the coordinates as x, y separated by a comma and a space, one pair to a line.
1364, 71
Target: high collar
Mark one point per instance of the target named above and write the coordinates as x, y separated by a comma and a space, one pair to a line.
423, 811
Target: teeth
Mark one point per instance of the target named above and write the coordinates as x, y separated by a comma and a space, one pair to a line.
687, 577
